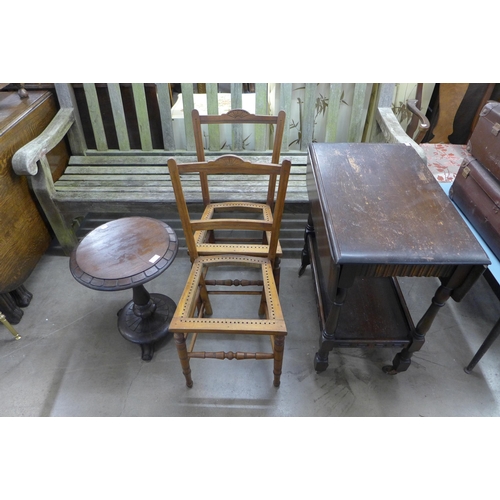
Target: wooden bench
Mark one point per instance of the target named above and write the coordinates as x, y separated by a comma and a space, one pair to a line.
122, 135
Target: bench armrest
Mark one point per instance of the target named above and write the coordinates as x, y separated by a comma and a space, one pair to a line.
393, 131
423, 121
24, 161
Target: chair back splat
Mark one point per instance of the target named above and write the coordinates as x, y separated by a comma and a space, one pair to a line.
194, 306
239, 117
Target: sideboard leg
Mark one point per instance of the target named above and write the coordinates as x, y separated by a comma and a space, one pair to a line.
306, 258
402, 360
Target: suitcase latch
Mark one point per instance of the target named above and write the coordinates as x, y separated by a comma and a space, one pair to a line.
466, 172
495, 129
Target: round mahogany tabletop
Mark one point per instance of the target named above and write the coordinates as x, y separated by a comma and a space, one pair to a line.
124, 253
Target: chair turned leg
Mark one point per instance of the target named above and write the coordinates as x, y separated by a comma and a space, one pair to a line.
279, 345
180, 343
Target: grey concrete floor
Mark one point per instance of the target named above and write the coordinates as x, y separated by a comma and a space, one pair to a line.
72, 361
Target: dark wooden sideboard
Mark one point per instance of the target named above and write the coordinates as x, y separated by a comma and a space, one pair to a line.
24, 235
377, 213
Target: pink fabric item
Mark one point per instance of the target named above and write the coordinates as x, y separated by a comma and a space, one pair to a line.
444, 160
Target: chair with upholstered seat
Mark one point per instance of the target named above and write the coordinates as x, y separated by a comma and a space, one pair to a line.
266, 128
195, 305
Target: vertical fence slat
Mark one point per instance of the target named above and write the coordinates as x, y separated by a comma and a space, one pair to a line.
356, 125
188, 106
308, 116
386, 95
237, 103
285, 104
95, 116
213, 109
260, 109
372, 110
141, 110
333, 112
163, 93
76, 137
115, 98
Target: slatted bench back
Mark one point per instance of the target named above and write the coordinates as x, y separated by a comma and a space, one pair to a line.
138, 118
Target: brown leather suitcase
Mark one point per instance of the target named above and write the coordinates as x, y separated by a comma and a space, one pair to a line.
484, 144
477, 193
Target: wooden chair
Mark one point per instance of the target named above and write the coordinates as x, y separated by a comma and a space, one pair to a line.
194, 305
206, 240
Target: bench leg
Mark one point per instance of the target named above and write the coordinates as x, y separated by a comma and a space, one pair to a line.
64, 232
43, 187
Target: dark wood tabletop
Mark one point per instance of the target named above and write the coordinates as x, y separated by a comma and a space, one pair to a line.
376, 211
124, 253
381, 204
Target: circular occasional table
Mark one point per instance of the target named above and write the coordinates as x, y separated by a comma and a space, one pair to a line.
123, 254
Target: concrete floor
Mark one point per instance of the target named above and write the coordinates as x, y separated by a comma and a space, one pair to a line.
72, 361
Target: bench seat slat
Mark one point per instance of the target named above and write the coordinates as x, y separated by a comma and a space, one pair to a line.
124, 160
166, 184
107, 170
149, 196
247, 179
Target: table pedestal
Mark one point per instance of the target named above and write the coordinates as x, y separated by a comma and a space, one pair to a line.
145, 320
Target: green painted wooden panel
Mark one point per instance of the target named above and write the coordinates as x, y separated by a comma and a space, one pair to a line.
163, 93
333, 112
261, 133
386, 95
95, 116
188, 106
357, 122
372, 110
308, 116
285, 104
115, 98
66, 98
142, 116
237, 103
261, 108
213, 109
